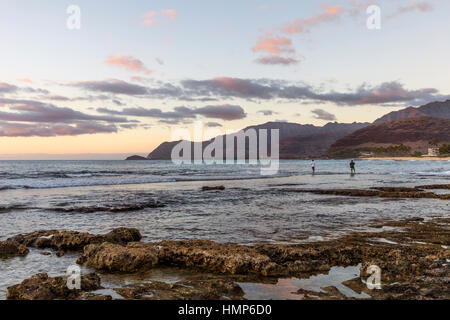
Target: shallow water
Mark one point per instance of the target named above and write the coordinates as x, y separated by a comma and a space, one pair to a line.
287, 288
165, 201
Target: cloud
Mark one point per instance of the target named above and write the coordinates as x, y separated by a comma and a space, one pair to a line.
114, 86
420, 6
387, 92
228, 87
35, 111
323, 115
274, 45
267, 112
7, 88
276, 60
128, 62
8, 129
223, 112
34, 118
170, 13
25, 80
213, 124
302, 25
148, 19
265, 89
179, 113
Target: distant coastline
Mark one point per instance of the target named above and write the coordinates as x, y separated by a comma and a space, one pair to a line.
408, 158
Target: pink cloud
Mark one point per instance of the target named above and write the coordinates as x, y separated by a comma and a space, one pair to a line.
139, 79
25, 80
149, 18
170, 13
301, 25
274, 45
129, 63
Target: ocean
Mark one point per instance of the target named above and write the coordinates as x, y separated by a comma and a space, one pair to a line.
165, 201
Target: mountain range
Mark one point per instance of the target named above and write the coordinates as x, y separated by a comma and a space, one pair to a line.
299, 141
433, 109
415, 133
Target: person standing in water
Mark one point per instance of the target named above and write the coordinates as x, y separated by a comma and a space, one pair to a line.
352, 167
313, 166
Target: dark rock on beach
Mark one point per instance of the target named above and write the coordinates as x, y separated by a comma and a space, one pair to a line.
208, 289
382, 192
72, 240
119, 258
43, 287
206, 188
9, 249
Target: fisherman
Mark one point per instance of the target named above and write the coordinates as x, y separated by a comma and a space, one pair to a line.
313, 166
352, 167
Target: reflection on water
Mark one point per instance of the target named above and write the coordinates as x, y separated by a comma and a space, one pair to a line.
287, 288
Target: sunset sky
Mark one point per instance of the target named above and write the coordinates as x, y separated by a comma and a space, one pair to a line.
136, 70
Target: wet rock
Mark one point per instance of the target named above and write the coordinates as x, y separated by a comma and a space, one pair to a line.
74, 241
397, 189
43, 287
195, 254
211, 289
214, 257
411, 258
118, 258
383, 192
206, 188
10, 249
435, 186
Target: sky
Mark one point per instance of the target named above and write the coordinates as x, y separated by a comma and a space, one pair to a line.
100, 79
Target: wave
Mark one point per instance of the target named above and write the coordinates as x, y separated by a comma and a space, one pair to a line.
5, 209
442, 173
114, 209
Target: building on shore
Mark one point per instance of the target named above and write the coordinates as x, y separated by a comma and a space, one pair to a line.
433, 152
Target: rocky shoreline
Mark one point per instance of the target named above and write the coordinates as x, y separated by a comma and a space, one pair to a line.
413, 256
384, 192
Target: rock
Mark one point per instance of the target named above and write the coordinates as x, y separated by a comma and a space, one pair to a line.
383, 192
10, 249
136, 157
123, 235
42, 287
118, 258
210, 289
74, 241
435, 186
413, 262
214, 257
206, 188
45, 253
196, 254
